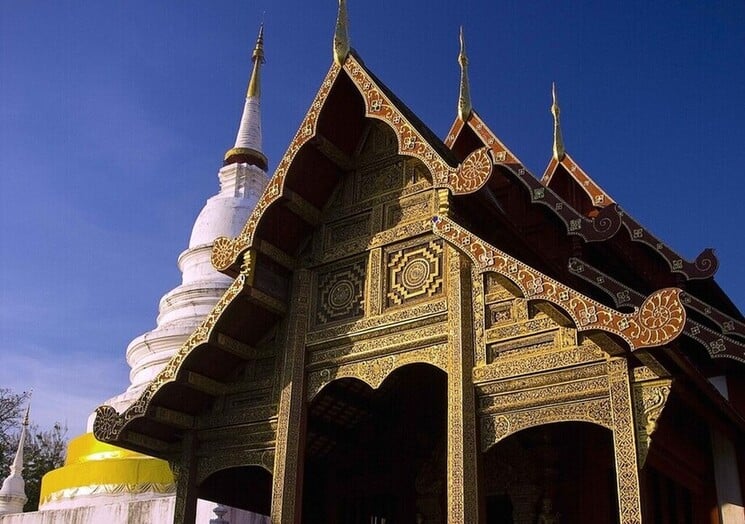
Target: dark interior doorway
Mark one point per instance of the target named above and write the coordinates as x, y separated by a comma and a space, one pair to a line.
248, 488
563, 471
378, 454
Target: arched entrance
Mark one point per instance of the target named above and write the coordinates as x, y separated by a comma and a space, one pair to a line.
378, 454
563, 471
247, 487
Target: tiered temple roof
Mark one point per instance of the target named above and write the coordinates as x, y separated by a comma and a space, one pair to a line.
559, 240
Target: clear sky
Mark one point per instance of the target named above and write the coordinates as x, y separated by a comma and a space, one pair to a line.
114, 117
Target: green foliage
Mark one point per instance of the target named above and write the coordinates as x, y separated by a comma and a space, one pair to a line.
44, 449
11, 406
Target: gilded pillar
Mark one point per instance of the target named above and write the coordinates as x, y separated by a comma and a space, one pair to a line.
287, 488
185, 510
462, 479
624, 444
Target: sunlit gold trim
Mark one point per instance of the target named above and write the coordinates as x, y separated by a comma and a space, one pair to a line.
245, 151
108, 489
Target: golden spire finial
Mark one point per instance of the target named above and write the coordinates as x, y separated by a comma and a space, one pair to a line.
558, 149
254, 85
341, 35
464, 98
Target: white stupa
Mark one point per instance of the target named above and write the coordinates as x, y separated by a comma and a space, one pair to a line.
242, 180
13, 493
100, 481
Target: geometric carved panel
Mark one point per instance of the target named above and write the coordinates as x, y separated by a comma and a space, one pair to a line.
343, 231
380, 180
414, 273
340, 292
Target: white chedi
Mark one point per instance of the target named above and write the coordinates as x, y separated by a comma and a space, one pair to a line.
13, 491
118, 486
183, 308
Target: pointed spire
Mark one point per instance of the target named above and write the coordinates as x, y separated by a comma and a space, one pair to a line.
341, 35
248, 143
464, 98
17, 467
13, 492
558, 149
254, 85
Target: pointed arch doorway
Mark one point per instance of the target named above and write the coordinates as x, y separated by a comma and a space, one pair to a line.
248, 488
378, 455
562, 471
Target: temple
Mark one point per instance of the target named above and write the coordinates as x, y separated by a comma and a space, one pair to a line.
417, 329
420, 330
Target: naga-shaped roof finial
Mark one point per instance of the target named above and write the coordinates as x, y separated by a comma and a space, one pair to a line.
558, 149
464, 97
341, 35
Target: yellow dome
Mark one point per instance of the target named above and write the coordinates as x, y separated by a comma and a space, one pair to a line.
94, 468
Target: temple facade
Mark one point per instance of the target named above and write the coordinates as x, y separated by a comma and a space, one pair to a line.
421, 330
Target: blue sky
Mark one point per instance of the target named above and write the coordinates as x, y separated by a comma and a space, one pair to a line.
114, 117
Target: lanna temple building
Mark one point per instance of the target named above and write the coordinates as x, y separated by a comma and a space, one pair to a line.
422, 331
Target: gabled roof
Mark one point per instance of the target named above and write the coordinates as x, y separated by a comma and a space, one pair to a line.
270, 242
584, 207
473, 168
567, 178
414, 139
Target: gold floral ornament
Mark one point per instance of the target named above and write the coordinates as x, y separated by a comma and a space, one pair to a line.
659, 320
223, 253
661, 317
107, 423
464, 178
473, 173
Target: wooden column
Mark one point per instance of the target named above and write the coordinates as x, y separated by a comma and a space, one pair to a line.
727, 479
287, 489
624, 442
462, 480
185, 510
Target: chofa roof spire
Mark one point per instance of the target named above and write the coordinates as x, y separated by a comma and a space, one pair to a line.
341, 35
558, 148
464, 97
248, 143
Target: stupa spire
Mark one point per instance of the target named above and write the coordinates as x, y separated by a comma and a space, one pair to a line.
13, 492
254, 84
558, 147
464, 97
341, 35
248, 142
